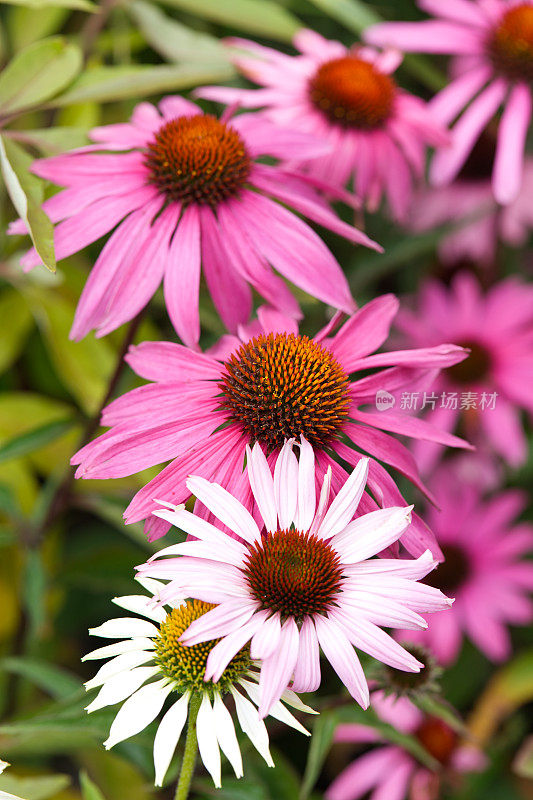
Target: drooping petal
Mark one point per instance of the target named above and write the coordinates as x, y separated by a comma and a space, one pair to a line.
167, 736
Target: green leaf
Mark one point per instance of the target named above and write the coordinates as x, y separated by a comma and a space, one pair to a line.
16, 323
26, 27
261, 17
174, 41
54, 680
33, 440
89, 789
523, 762
438, 707
323, 730
80, 5
84, 367
355, 15
51, 141
37, 73
353, 713
40, 788
106, 84
25, 191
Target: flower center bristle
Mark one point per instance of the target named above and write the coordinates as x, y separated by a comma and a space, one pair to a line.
473, 369
510, 45
453, 572
198, 159
352, 92
279, 386
413, 683
186, 665
293, 573
437, 738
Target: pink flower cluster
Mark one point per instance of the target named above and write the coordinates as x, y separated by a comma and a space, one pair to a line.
300, 537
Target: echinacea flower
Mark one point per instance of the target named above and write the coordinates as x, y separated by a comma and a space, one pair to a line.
184, 192
299, 580
485, 568
492, 45
469, 203
379, 132
391, 772
149, 664
487, 390
271, 384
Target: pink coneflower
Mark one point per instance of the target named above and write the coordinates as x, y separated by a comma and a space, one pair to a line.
379, 132
484, 568
492, 41
271, 384
481, 223
389, 771
185, 191
300, 580
485, 392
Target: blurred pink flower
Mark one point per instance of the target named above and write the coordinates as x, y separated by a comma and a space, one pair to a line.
379, 132
492, 42
485, 392
391, 773
485, 569
184, 192
299, 580
481, 223
268, 385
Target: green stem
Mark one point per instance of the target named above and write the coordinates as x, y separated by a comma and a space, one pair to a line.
191, 748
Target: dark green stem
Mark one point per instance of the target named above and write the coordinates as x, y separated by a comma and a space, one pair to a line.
191, 748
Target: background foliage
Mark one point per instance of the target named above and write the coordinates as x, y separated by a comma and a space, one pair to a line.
69, 65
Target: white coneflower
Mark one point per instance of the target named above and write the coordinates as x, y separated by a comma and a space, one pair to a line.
149, 663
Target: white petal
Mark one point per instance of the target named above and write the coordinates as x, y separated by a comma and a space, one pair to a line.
415, 568
140, 604
150, 584
322, 502
225, 732
214, 552
124, 628
197, 527
167, 736
371, 533
306, 487
251, 725
292, 699
125, 646
207, 740
119, 687
138, 712
120, 663
225, 507
265, 641
286, 485
345, 504
262, 484
278, 710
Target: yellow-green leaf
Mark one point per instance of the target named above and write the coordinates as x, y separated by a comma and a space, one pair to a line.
174, 41
261, 17
16, 323
25, 191
37, 73
84, 367
80, 5
106, 84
